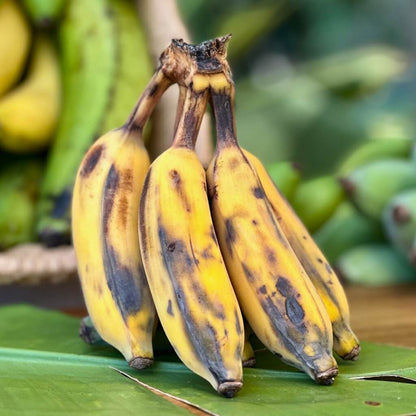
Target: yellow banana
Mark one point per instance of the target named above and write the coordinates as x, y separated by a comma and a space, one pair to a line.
15, 37
276, 296
188, 280
330, 290
104, 229
29, 113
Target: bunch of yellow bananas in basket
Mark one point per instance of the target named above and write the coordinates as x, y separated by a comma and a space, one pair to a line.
211, 254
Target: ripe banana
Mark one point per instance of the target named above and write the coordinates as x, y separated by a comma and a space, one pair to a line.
87, 43
188, 279
29, 113
277, 298
318, 269
15, 39
104, 229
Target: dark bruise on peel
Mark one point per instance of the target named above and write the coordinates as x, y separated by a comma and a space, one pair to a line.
111, 187
91, 160
258, 192
250, 276
295, 312
270, 255
204, 339
284, 287
230, 235
262, 289
169, 308
122, 282
176, 181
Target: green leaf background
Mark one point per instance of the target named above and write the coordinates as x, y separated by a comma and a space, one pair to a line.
46, 369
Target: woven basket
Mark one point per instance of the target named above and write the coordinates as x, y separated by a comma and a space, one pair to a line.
34, 264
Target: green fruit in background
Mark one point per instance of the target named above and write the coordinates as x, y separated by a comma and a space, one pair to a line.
87, 42
134, 66
375, 149
355, 72
316, 199
345, 229
44, 13
372, 185
374, 265
286, 177
19, 189
399, 220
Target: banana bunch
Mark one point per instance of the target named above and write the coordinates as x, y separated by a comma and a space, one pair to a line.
216, 254
370, 235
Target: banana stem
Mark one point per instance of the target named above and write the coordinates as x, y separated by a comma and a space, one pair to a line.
179, 107
222, 102
148, 100
190, 118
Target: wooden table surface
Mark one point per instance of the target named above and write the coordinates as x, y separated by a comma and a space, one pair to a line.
384, 314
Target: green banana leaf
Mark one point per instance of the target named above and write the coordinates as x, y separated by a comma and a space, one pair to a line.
45, 369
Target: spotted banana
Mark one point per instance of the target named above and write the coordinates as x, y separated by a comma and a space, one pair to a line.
276, 296
320, 272
104, 228
187, 277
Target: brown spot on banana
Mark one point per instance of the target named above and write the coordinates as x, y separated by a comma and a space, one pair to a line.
258, 192
91, 160
230, 235
270, 255
294, 311
169, 308
177, 183
284, 287
262, 289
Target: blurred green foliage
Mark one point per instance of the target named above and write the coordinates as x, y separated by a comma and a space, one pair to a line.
314, 79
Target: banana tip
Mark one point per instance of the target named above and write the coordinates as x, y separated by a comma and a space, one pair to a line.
139, 363
250, 362
353, 354
327, 377
229, 388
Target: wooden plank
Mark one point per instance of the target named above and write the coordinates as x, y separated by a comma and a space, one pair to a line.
384, 314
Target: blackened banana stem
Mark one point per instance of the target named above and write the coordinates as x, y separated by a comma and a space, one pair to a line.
148, 100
